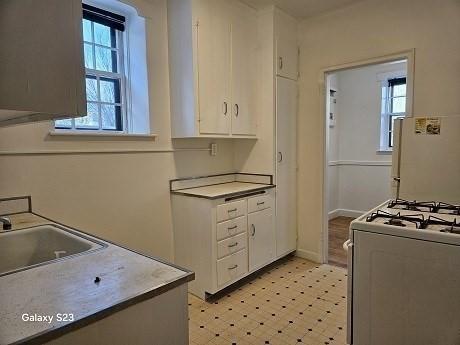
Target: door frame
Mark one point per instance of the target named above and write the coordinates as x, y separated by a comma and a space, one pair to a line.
409, 56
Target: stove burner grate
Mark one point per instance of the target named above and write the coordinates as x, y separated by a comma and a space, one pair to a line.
397, 219
424, 206
421, 206
449, 227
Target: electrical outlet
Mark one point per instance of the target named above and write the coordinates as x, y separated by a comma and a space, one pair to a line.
213, 149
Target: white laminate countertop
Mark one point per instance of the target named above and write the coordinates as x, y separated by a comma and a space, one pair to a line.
68, 287
221, 190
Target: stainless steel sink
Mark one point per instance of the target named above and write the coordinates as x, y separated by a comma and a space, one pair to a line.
27, 248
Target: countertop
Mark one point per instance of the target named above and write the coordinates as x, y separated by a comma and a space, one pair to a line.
68, 286
222, 190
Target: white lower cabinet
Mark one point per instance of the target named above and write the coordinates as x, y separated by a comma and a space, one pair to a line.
223, 240
261, 238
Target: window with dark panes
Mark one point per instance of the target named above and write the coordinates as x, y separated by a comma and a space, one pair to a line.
393, 107
103, 56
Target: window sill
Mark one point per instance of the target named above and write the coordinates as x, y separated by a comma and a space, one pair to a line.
101, 135
385, 152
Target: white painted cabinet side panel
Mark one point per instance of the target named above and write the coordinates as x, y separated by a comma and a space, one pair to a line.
182, 71
41, 58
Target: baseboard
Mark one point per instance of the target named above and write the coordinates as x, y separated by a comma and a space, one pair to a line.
306, 254
341, 212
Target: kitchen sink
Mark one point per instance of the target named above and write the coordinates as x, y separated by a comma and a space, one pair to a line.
31, 247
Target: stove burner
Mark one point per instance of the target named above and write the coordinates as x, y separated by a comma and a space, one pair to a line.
397, 222
397, 219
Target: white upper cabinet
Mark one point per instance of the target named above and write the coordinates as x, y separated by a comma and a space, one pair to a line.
244, 73
212, 53
214, 66
287, 51
41, 61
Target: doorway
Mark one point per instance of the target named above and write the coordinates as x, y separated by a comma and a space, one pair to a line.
361, 105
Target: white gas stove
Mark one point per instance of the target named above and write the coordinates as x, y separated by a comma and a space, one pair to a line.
404, 274
435, 221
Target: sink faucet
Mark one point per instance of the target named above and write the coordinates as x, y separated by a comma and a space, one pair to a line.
6, 223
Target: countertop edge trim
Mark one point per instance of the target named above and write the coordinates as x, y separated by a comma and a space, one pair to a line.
225, 195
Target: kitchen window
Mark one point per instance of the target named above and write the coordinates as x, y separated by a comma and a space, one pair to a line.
393, 107
115, 56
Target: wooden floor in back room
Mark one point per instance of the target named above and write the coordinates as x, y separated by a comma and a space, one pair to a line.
338, 234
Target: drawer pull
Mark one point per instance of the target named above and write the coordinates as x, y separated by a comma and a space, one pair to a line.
260, 203
233, 267
233, 245
232, 210
232, 227
253, 227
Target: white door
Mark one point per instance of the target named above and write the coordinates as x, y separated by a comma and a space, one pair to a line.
244, 71
261, 238
286, 166
214, 54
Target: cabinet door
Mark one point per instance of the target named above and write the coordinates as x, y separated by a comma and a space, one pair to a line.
244, 71
286, 46
286, 166
41, 60
213, 57
261, 238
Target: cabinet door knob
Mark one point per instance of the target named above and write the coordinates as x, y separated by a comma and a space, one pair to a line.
280, 62
225, 108
253, 228
237, 109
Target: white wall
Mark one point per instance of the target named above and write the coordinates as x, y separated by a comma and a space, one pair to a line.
123, 197
366, 30
359, 175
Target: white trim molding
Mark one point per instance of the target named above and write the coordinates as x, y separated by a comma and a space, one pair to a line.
306, 254
342, 212
360, 163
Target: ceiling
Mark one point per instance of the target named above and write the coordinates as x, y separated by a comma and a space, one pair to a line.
302, 8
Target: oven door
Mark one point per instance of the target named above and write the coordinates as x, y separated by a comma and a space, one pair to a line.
348, 246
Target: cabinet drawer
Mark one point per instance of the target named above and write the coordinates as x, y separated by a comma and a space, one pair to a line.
231, 227
258, 203
231, 245
232, 267
231, 210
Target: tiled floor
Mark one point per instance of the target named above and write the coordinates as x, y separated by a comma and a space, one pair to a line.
292, 302
338, 234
